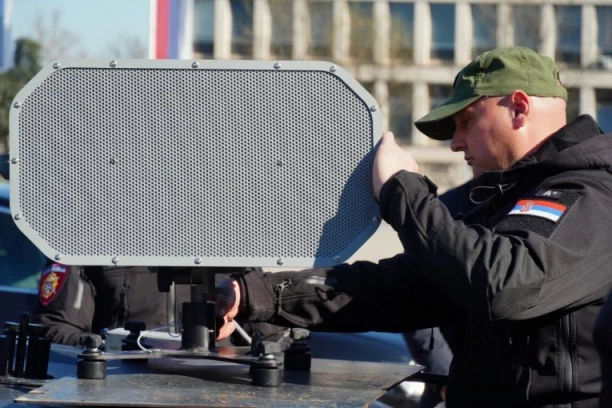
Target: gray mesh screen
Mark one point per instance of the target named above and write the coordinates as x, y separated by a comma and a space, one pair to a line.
161, 166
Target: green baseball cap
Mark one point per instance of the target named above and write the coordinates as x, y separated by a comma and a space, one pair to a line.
498, 72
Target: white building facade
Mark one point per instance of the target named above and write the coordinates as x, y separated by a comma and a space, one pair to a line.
407, 52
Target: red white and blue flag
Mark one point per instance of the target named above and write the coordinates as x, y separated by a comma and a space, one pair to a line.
6, 44
539, 208
171, 29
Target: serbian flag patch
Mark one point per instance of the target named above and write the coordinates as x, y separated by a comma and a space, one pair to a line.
51, 281
539, 208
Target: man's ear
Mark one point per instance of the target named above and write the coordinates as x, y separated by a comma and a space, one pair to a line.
520, 108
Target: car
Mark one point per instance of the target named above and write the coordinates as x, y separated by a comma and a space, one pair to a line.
20, 260
20, 265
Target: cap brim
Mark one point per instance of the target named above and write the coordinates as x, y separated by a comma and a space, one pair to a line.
439, 124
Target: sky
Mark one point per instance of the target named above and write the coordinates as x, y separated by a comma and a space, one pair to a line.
97, 24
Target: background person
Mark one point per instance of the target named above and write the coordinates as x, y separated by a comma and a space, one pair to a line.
75, 301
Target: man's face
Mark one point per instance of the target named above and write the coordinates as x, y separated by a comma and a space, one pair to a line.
485, 134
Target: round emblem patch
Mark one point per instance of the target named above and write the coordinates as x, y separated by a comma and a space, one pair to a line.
51, 282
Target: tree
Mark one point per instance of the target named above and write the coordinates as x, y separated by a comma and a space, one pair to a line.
55, 41
27, 62
127, 47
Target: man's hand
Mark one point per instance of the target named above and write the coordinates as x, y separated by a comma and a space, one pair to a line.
389, 159
228, 300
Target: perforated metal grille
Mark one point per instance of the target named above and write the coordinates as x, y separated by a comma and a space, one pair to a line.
184, 163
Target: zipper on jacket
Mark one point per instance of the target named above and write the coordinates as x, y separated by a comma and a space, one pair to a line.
308, 280
287, 283
566, 354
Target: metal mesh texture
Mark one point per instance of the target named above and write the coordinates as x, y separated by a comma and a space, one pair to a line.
217, 163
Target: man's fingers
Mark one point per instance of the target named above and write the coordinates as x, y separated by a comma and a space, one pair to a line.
227, 299
226, 330
221, 311
389, 159
388, 137
387, 142
223, 304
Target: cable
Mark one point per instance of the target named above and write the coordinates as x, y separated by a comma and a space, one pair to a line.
178, 332
144, 332
239, 329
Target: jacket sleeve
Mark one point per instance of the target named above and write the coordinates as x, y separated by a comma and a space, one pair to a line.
389, 296
514, 272
67, 314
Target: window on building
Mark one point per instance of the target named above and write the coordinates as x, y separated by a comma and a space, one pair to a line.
573, 103
362, 30
400, 111
604, 109
604, 24
204, 27
443, 32
282, 28
438, 94
484, 17
242, 27
321, 28
526, 22
402, 27
569, 24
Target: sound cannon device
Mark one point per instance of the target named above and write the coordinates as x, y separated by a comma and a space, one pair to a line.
188, 166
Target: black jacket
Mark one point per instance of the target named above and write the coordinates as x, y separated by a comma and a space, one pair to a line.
603, 339
523, 289
89, 299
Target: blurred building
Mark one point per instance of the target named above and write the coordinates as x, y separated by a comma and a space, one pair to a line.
406, 53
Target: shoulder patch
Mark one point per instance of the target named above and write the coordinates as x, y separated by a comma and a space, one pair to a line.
539, 208
51, 281
541, 212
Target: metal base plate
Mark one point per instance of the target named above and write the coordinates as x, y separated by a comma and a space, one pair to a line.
209, 383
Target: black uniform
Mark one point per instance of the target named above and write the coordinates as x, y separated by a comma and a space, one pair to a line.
523, 275
76, 300
603, 339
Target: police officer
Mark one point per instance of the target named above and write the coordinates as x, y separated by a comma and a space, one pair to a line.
79, 300
522, 270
